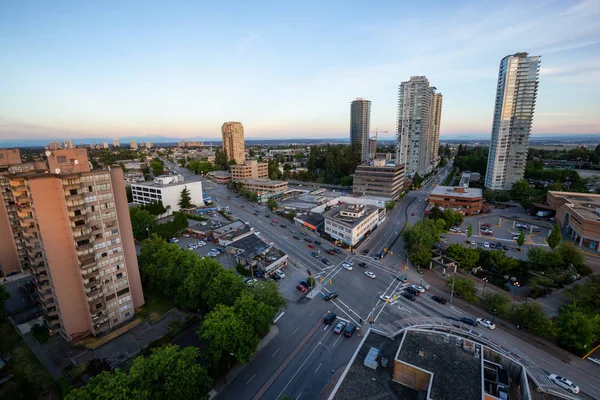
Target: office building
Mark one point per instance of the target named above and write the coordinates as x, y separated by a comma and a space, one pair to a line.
116, 143
167, 188
419, 113
513, 115
578, 215
360, 119
233, 141
265, 186
69, 227
352, 222
148, 145
463, 199
378, 179
133, 145
250, 169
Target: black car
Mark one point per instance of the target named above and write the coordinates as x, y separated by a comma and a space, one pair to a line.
337, 250
267, 216
242, 206
296, 237
505, 247
317, 242
412, 290
255, 213
439, 299
409, 296
283, 226
401, 278
303, 233
468, 321
325, 261
330, 318
365, 252
308, 240
275, 277
363, 265
377, 256
305, 284
332, 295
349, 331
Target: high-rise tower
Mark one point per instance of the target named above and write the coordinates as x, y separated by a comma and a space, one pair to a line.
233, 141
419, 114
513, 115
360, 118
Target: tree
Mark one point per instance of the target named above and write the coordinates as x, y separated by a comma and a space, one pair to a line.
470, 231
417, 180
224, 333
271, 204
465, 288
555, 237
577, 330
4, 295
143, 223
268, 293
96, 366
521, 238
390, 205
497, 303
185, 200
221, 160
122, 166
467, 256
257, 315
154, 207
587, 295
180, 221
157, 166
531, 317
106, 386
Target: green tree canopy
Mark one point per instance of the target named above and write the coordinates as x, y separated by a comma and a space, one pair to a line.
221, 160
555, 237
4, 296
498, 302
185, 199
154, 207
521, 238
576, 329
142, 223
467, 256
531, 317
465, 288
272, 204
157, 166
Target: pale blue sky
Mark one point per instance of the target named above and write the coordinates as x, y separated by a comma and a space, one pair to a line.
283, 68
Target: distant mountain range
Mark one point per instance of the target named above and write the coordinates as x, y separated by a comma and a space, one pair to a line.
158, 139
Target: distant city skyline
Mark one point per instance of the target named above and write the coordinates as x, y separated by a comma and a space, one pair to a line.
99, 70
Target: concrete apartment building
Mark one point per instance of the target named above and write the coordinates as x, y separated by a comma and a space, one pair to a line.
167, 188
516, 93
378, 179
464, 199
116, 143
352, 222
69, 227
133, 145
233, 141
419, 115
250, 169
578, 215
360, 120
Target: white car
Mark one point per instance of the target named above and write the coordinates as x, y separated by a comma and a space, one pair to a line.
486, 322
251, 282
280, 274
174, 240
347, 266
185, 235
564, 383
387, 299
473, 243
419, 288
486, 245
349, 262
370, 274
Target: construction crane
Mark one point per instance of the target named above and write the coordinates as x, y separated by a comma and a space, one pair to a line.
377, 131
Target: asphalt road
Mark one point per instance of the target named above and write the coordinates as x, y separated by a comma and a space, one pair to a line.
301, 359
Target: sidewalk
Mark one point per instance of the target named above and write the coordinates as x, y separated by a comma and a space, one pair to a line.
233, 372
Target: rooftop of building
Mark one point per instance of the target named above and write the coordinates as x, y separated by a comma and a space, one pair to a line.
335, 214
238, 227
251, 244
268, 182
179, 181
220, 173
313, 219
379, 164
585, 204
456, 191
361, 382
448, 362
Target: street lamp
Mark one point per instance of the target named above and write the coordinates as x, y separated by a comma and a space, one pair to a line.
373, 308
453, 277
516, 285
228, 365
485, 282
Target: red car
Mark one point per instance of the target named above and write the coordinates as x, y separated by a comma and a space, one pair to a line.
301, 288
487, 225
412, 213
312, 246
487, 233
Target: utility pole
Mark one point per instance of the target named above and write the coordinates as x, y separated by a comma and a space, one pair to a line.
453, 277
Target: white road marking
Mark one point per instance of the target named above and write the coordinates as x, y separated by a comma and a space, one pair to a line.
349, 309
276, 351
313, 311
316, 371
293, 333
250, 379
280, 315
297, 397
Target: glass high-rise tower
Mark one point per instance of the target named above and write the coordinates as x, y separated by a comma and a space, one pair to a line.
360, 119
513, 115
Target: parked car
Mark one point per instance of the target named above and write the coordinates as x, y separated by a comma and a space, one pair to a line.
317, 242
280, 273
473, 243
486, 245
412, 290
492, 245
362, 265
486, 322
408, 296
421, 289
387, 299
564, 383
337, 250
439, 299
315, 254
251, 282
303, 233
283, 226
173, 240
377, 256
302, 288
365, 252
402, 278
325, 261
349, 331
267, 216
331, 252
308, 240
370, 274
331, 296
186, 235
516, 237
273, 223
487, 233
312, 246
347, 266
468, 321
339, 327
486, 225
330, 318
296, 237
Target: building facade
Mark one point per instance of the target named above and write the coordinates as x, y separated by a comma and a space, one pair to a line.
419, 115
250, 169
578, 215
360, 120
516, 94
133, 145
233, 141
71, 230
378, 179
463, 199
167, 188
352, 222
265, 186
116, 142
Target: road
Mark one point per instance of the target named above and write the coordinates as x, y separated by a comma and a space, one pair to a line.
301, 359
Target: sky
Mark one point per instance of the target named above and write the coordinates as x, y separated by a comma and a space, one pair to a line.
285, 69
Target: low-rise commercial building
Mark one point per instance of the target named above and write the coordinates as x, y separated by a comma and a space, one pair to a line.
220, 177
311, 221
350, 223
251, 169
265, 186
167, 188
377, 178
232, 232
578, 215
252, 252
458, 198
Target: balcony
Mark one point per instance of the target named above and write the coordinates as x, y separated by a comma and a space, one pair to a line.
85, 246
73, 197
92, 283
94, 309
87, 262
